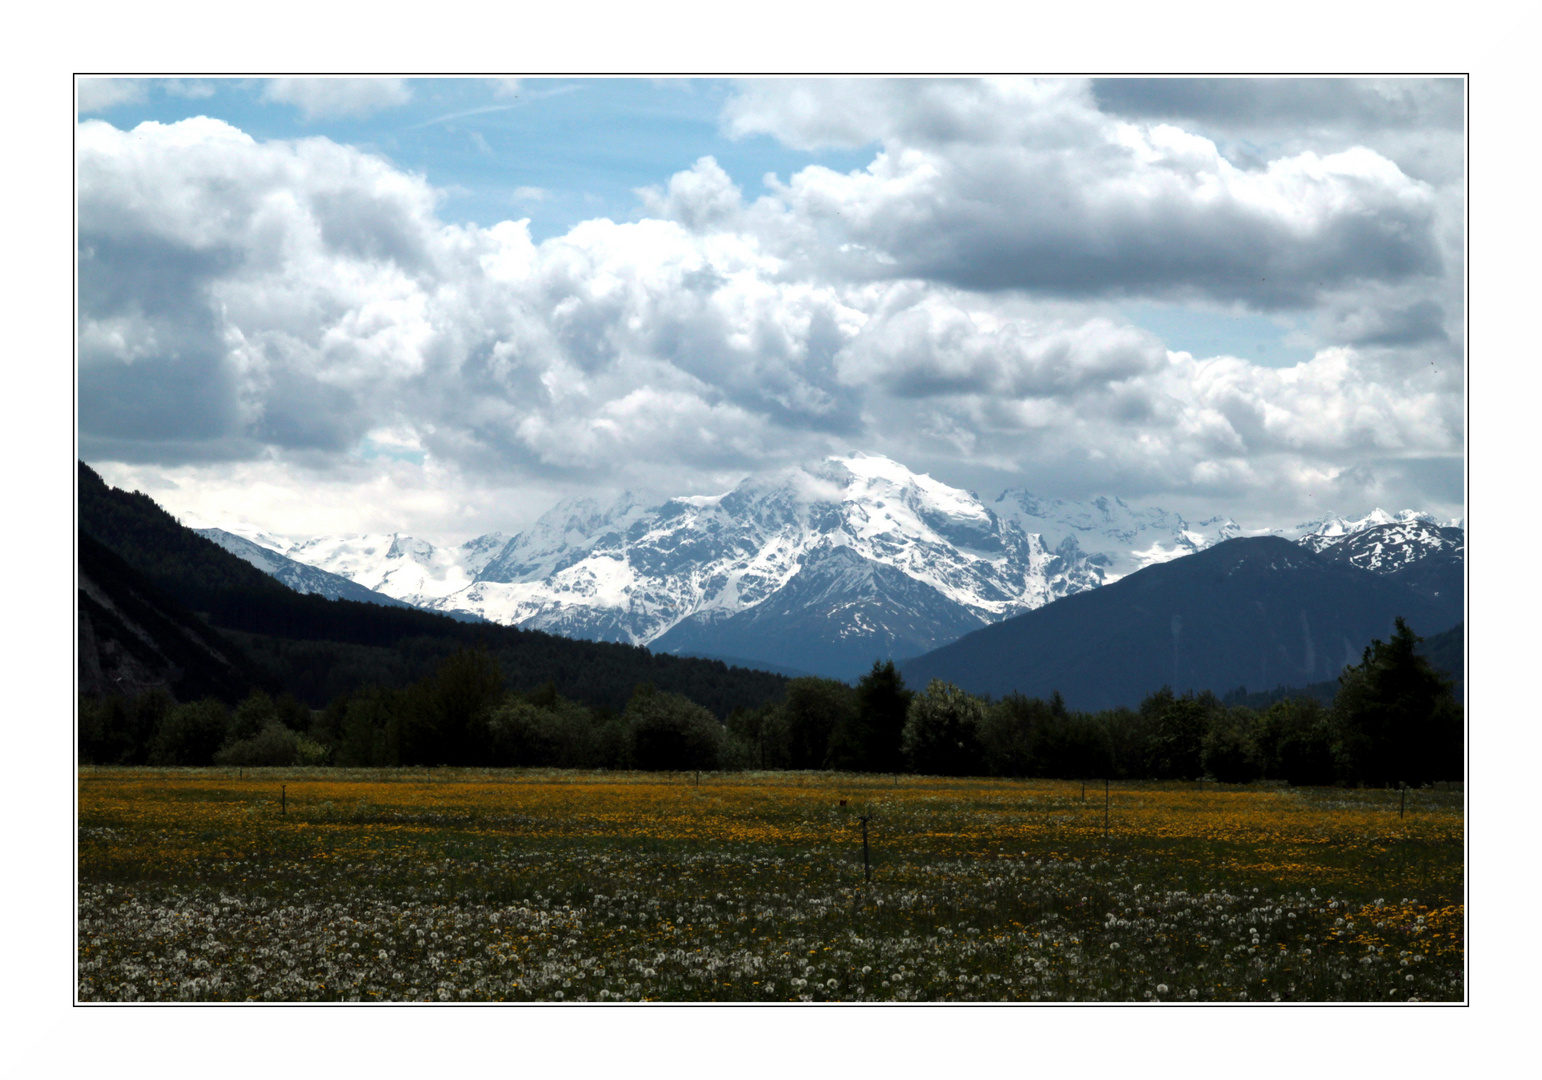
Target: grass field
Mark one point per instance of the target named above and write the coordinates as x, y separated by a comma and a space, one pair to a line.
469, 885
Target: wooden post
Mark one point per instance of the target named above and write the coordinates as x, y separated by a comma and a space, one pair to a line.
283, 798
867, 870
1105, 809
1084, 791
1403, 805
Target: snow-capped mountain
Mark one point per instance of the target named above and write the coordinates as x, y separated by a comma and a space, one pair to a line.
865, 528
297, 575
1322, 533
401, 566
819, 568
1119, 538
1389, 547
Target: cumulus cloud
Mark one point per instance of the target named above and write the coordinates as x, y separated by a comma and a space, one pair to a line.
319, 99
1416, 123
702, 197
249, 307
1024, 185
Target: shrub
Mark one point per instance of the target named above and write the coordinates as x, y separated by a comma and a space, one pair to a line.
671, 732
190, 734
275, 744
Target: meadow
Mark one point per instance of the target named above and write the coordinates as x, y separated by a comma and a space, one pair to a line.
550, 886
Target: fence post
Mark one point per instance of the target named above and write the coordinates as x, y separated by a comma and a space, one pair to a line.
283, 798
1403, 805
1105, 809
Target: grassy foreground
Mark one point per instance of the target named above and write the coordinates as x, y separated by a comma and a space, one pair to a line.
519, 885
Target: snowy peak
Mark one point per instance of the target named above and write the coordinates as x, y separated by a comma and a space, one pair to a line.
632, 571
1323, 532
1119, 537
563, 535
477, 552
395, 564
1388, 548
297, 575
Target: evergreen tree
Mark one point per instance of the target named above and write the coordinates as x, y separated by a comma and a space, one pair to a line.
1397, 718
868, 738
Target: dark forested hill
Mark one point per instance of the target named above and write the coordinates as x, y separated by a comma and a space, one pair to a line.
316, 647
133, 637
1257, 611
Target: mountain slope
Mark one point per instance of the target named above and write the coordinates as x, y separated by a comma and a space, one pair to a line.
1255, 611
400, 566
133, 637
1117, 537
836, 615
299, 576
1388, 548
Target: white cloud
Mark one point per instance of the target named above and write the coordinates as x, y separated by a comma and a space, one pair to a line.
702, 197
252, 310
1022, 184
326, 99
99, 95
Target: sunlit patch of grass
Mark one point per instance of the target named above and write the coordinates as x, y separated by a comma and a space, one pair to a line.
548, 885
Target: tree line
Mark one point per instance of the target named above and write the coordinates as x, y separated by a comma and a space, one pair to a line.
1393, 719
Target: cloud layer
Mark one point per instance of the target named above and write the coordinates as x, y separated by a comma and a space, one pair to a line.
298, 308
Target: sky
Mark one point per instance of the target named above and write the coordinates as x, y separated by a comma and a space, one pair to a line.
441, 306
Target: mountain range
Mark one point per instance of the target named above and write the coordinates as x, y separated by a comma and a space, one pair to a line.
820, 569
